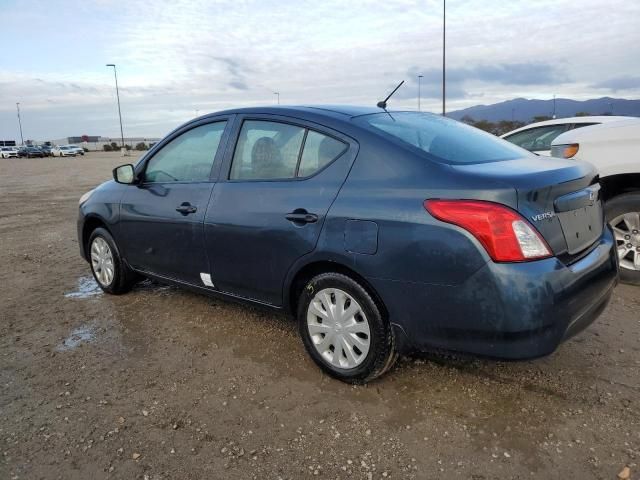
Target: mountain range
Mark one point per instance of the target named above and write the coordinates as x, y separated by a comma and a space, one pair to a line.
523, 110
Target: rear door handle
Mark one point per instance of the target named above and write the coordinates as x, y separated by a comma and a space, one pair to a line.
186, 208
302, 217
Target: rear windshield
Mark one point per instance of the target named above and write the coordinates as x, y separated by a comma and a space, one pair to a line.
447, 140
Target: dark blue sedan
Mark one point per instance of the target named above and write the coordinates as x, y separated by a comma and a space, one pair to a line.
382, 232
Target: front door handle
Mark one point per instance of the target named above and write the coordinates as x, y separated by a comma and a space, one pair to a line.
186, 208
302, 217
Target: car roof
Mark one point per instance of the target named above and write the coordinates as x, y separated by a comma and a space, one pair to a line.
560, 121
627, 128
334, 111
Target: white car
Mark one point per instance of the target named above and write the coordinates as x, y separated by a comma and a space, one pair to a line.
614, 149
9, 152
612, 145
63, 151
78, 150
537, 137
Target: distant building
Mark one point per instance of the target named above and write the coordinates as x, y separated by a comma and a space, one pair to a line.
7, 143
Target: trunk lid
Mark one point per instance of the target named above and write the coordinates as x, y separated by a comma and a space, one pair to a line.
560, 198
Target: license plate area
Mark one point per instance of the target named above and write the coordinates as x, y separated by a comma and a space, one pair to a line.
582, 226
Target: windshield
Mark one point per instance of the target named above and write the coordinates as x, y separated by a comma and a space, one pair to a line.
447, 140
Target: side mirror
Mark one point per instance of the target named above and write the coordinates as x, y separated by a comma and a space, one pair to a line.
124, 174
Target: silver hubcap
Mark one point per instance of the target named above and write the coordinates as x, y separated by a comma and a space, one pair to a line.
338, 328
626, 229
102, 261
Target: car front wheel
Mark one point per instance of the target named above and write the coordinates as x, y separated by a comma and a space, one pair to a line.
623, 214
107, 266
343, 329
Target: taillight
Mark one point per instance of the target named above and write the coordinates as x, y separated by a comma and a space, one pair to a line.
504, 233
564, 151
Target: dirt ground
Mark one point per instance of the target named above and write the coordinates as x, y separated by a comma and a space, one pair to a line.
166, 384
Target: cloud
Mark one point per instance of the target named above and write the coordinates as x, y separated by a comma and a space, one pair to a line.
620, 83
178, 56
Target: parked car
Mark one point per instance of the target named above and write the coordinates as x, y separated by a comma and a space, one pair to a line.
537, 137
9, 152
31, 152
614, 149
77, 149
63, 151
46, 149
22, 151
382, 232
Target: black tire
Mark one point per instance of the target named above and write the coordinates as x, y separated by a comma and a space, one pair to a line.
381, 355
616, 206
123, 277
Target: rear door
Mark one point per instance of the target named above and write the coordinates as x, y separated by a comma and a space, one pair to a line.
161, 219
278, 181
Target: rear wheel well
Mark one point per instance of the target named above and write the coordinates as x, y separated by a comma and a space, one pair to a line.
615, 185
309, 271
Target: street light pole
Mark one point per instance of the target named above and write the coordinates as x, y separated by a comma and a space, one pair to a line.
118, 97
277, 94
444, 36
20, 123
419, 85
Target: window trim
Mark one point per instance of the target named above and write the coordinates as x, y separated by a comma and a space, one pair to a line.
141, 166
302, 124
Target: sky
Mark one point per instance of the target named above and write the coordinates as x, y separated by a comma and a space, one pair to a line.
181, 58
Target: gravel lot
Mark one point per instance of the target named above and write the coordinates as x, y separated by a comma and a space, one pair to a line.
162, 383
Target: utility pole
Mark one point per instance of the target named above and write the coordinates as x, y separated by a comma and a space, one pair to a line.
554, 106
20, 123
118, 97
277, 94
419, 85
444, 38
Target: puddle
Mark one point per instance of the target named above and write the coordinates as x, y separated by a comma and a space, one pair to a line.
87, 287
78, 336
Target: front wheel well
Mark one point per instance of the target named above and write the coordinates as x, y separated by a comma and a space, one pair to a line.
615, 185
309, 271
90, 225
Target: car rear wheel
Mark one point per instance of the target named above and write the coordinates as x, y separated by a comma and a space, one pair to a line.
108, 268
623, 214
344, 330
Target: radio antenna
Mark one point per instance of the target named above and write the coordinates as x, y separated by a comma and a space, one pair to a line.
383, 104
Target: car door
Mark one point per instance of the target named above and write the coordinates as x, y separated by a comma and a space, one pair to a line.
161, 217
277, 183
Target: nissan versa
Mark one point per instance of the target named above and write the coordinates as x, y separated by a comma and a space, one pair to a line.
383, 232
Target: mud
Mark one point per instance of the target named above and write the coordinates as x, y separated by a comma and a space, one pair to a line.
162, 383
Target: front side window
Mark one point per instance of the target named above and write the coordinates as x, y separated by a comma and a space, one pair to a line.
446, 140
537, 139
271, 150
188, 157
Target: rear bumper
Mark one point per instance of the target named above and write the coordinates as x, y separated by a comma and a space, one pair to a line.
511, 311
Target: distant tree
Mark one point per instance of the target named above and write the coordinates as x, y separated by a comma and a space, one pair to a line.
583, 114
107, 147
114, 146
541, 118
485, 125
127, 147
468, 119
141, 146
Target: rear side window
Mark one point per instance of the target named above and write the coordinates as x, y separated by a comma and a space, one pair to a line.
446, 140
188, 157
538, 138
272, 150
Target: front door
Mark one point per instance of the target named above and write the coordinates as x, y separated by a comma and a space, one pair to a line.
269, 205
161, 218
